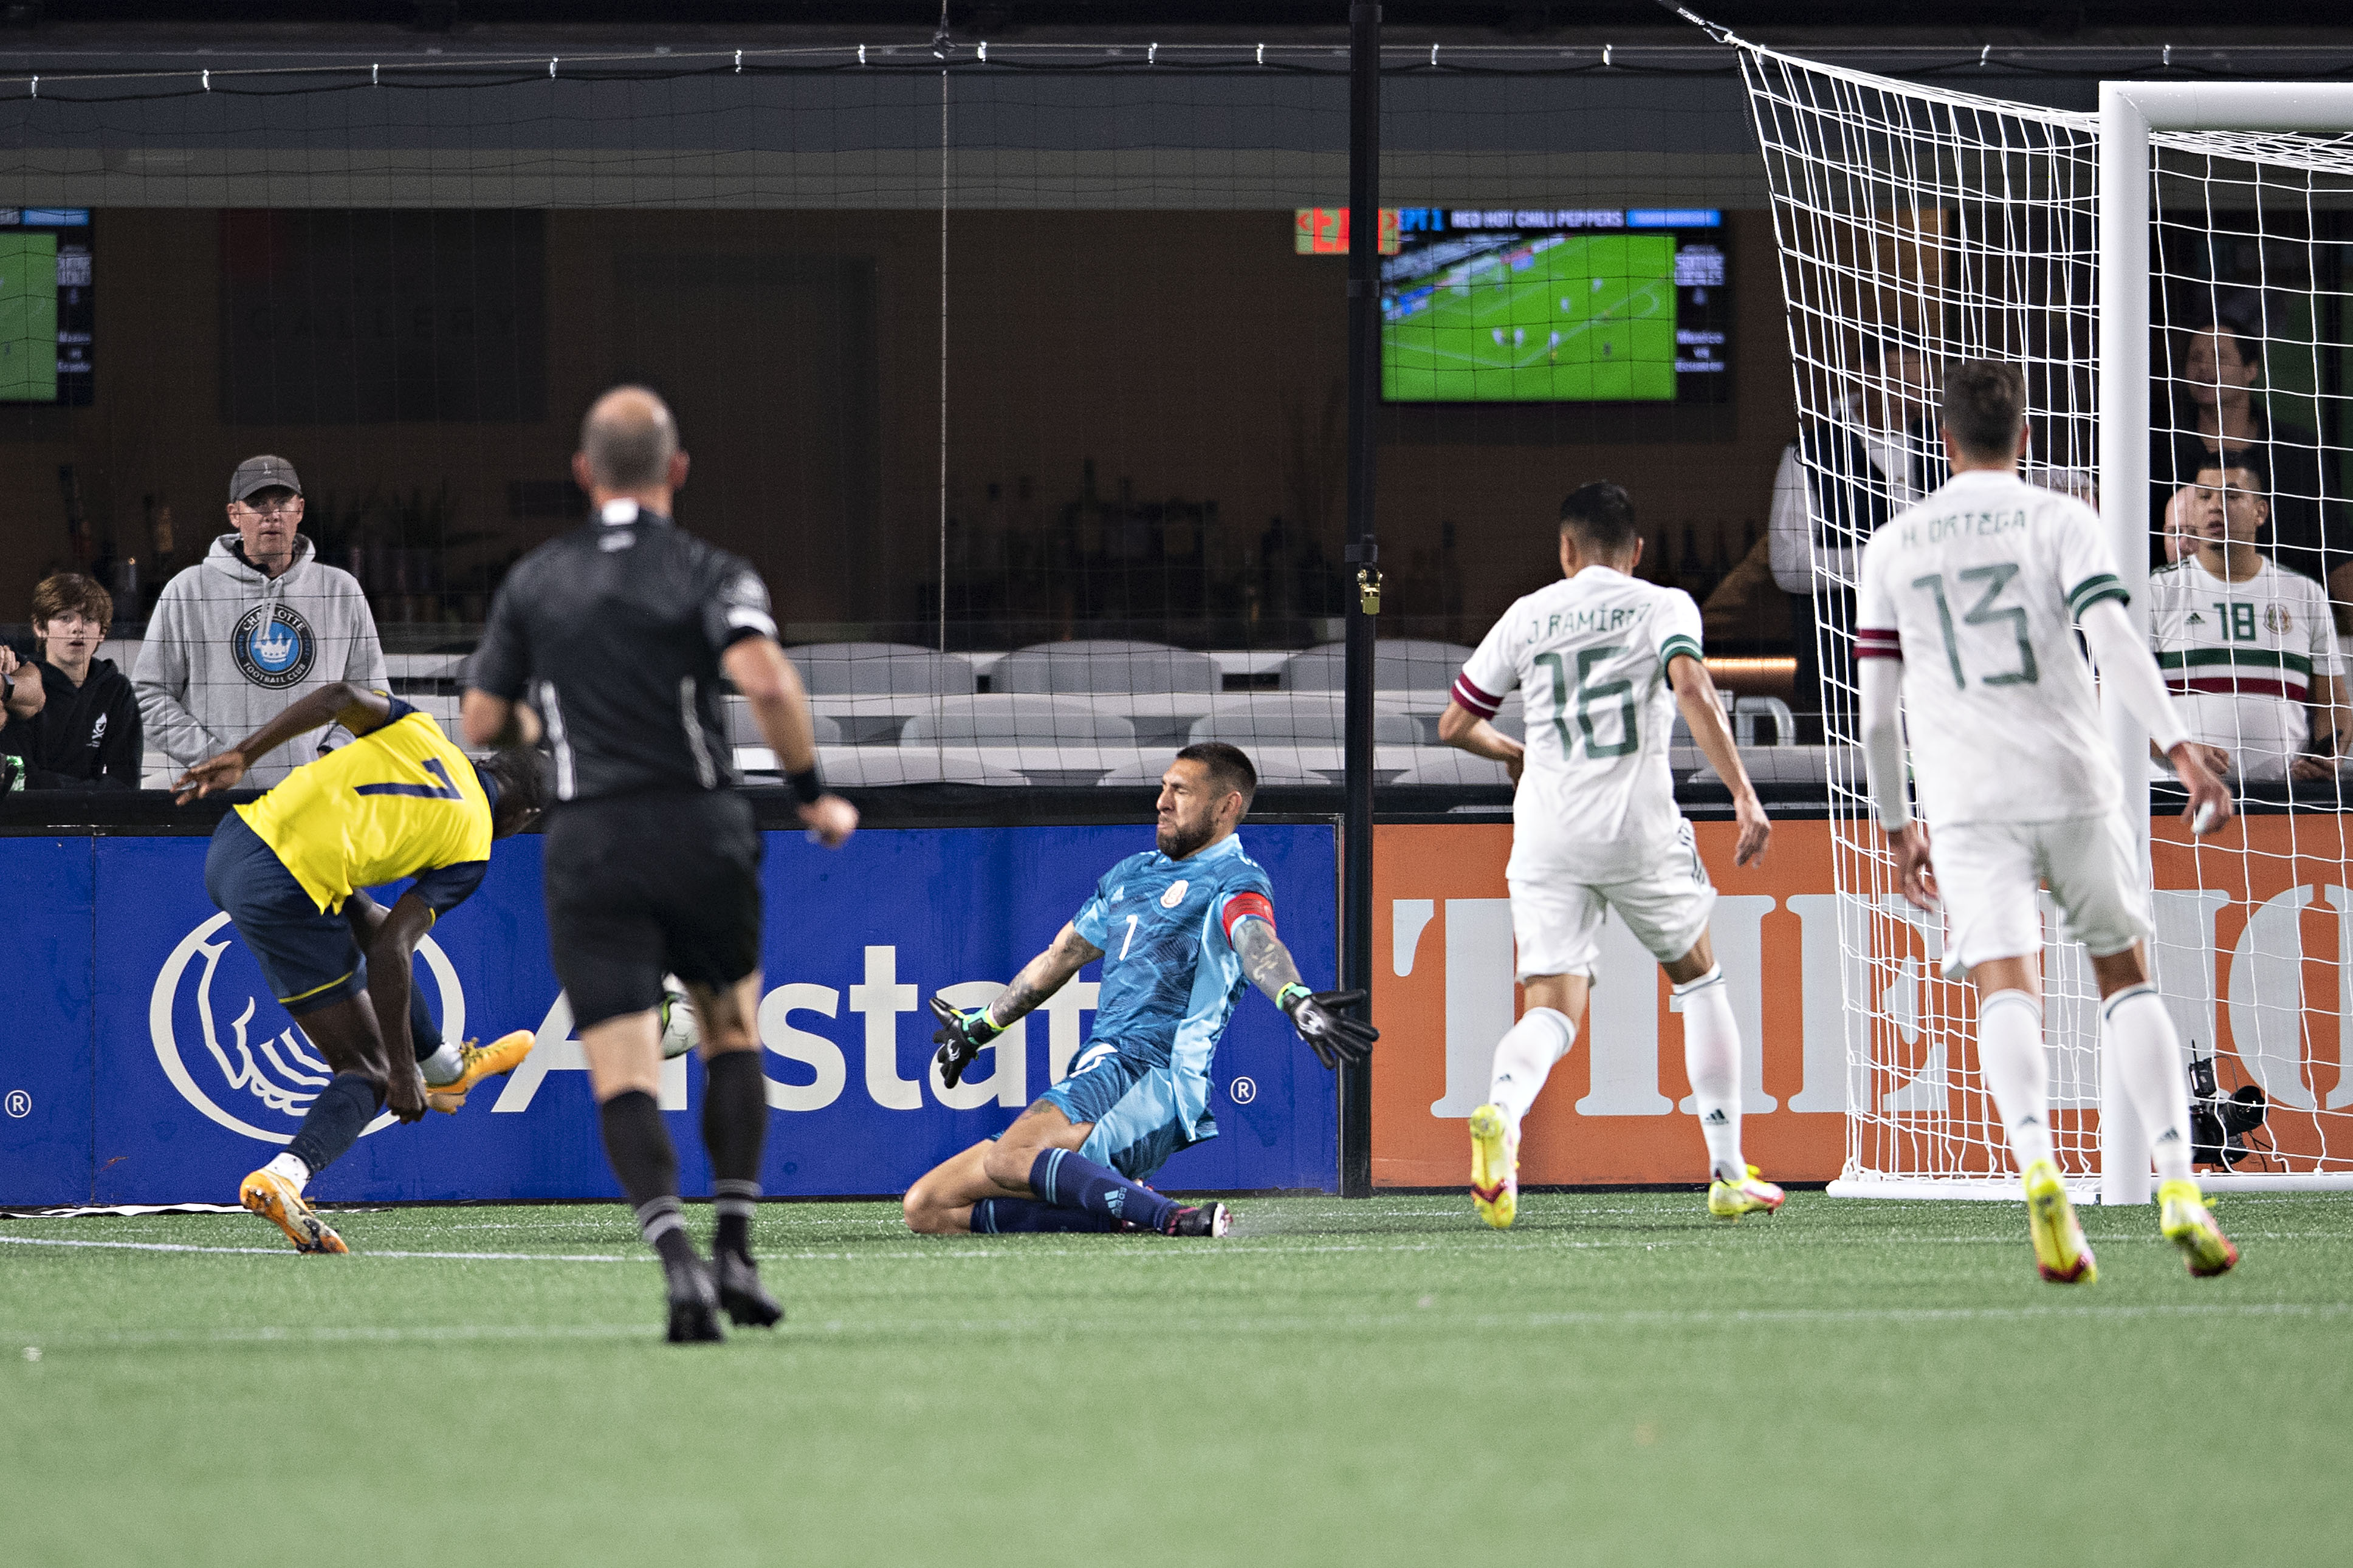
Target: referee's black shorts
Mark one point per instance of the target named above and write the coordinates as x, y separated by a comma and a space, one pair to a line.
644, 885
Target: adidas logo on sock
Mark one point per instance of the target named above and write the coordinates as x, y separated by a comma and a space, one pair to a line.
1716, 1118
2170, 1135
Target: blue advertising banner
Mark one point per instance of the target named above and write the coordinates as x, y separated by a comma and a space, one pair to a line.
156, 1068
46, 1052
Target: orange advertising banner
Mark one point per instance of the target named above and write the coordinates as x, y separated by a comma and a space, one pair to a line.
2254, 953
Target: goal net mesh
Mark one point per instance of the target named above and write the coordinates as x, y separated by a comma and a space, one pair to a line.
1917, 228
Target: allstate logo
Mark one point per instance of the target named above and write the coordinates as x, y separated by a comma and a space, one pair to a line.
234, 1067
274, 646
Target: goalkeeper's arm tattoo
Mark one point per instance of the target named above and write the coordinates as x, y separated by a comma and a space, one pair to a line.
1042, 977
1265, 960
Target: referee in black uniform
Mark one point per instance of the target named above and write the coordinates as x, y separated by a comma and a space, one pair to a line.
613, 641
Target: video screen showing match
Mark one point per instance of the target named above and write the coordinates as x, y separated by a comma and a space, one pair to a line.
1518, 306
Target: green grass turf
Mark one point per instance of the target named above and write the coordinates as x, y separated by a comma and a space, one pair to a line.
1615, 1381
1589, 318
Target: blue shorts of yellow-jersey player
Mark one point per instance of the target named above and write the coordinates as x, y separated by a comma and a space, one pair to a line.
308, 957
1131, 1100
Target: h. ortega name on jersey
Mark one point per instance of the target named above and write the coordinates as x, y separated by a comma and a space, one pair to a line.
1963, 525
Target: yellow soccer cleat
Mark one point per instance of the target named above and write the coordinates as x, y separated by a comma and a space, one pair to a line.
2182, 1215
2060, 1253
273, 1197
503, 1054
1750, 1194
1494, 1168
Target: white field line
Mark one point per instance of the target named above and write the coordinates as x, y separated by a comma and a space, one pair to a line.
287, 1251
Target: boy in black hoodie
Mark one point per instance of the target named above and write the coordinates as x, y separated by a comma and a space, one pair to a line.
88, 734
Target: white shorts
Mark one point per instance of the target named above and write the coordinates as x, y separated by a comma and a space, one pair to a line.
1986, 874
1557, 922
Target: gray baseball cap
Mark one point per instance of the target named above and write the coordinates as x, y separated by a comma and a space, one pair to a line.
261, 474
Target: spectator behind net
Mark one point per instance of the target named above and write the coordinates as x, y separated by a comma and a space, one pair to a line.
86, 733
2247, 646
2213, 412
258, 623
1846, 473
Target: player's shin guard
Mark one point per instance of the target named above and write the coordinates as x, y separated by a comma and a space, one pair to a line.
735, 1126
1711, 1062
1061, 1177
2010, 1054
335, 1120
2147, 1053
1012, 1216
1524, 1057
638, 1145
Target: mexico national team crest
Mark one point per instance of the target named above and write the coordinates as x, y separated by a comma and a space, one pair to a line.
2277, 621
274, 646
230, 1049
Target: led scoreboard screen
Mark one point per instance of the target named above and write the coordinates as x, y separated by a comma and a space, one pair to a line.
1515, 305
46, 307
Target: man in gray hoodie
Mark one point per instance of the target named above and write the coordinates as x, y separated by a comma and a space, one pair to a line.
258, 623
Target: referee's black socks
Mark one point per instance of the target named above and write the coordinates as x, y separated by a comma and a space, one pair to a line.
735, 1126
638, 1145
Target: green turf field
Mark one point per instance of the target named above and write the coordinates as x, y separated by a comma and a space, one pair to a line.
1617, 1380
1574, 318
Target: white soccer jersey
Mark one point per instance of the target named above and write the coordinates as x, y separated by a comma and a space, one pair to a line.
1977, 590
1596, 802
2240, 657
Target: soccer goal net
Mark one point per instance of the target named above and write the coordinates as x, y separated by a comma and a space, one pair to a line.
1918, 227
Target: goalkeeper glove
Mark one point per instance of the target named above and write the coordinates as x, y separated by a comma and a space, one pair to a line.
1321, 1021
960, 1037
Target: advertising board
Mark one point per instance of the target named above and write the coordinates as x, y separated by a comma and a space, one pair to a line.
148, 1064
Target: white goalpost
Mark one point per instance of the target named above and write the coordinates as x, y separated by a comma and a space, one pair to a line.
1917, 226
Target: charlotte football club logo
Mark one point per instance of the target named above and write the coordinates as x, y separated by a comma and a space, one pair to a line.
274, 646
231, 1065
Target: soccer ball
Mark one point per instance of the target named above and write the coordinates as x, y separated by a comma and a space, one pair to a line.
679, 1032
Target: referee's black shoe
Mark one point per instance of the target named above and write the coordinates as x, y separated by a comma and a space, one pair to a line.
740, 1292
693, 1301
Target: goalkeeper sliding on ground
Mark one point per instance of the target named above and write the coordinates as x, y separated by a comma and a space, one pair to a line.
1180, 930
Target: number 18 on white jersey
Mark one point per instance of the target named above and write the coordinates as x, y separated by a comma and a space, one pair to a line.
1596, 801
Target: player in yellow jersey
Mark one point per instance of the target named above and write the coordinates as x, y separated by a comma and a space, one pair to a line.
399, 801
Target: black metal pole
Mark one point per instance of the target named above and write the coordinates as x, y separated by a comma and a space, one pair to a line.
1363, 555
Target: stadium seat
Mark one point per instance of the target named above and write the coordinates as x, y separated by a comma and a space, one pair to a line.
878, 668
1108, 665
742, 730
1016, 720
1315, 718
1746, 711
874, 767
1782, 764
1399, 663
1446, 766
1272, 769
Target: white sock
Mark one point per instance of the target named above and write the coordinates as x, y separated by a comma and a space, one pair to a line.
443, 1066
2009, 1055
1524, 1057
2148, 1054
292, 1169
1711, 1062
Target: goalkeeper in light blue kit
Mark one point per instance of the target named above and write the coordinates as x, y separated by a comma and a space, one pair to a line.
1181, 930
